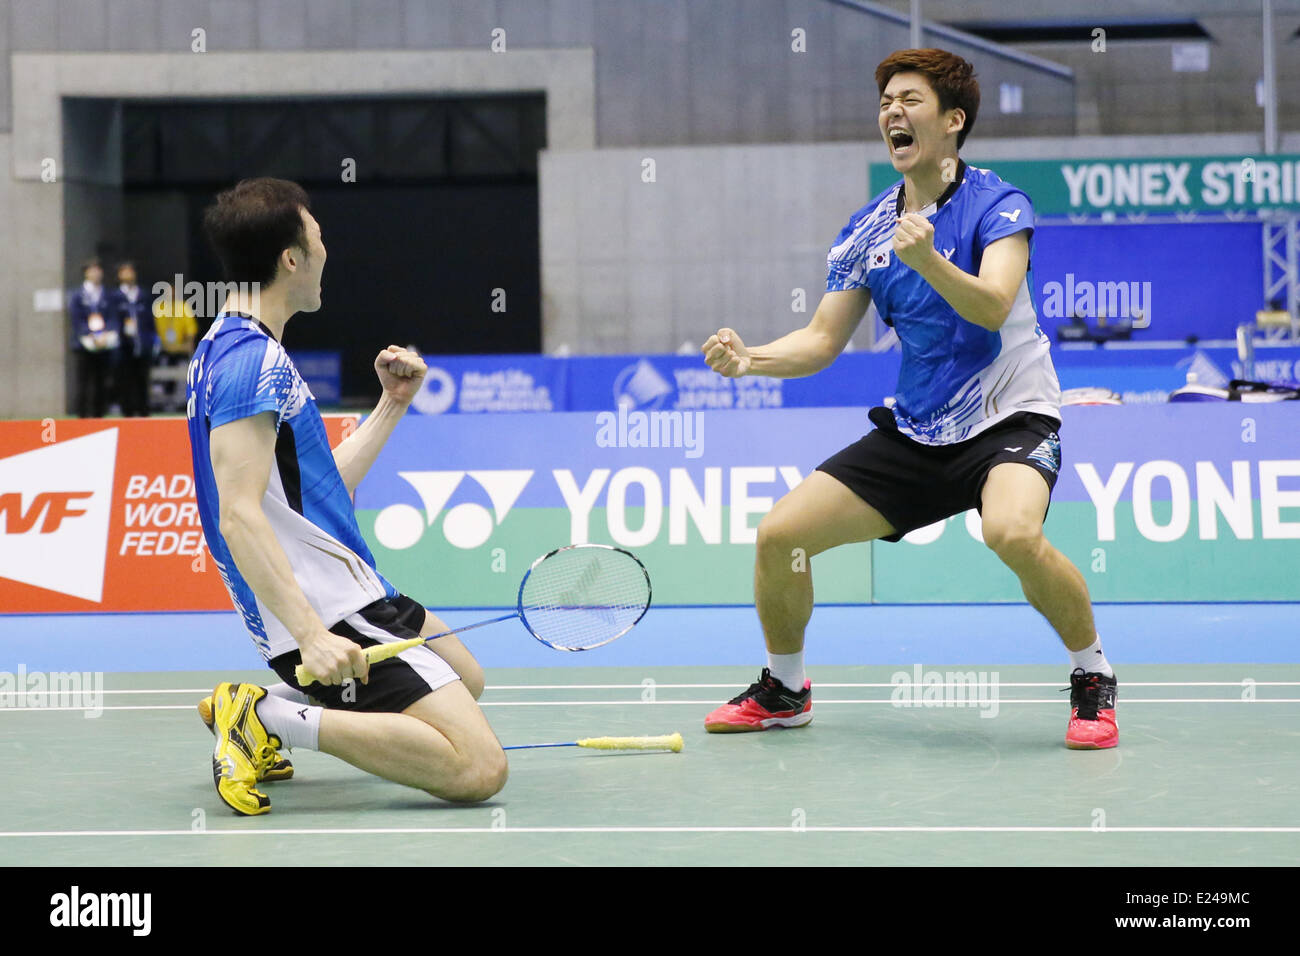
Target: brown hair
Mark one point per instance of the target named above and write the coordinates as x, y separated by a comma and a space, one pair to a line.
252, 223
952, 77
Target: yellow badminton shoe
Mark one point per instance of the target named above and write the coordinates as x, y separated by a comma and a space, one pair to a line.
244, 750
280, 769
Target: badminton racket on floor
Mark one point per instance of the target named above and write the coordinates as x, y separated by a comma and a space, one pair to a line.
571, 599
671, 742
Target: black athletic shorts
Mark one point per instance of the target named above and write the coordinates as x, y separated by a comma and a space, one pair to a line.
396, 683
914, 485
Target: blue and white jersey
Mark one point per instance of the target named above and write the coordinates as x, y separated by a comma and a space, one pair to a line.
239, 370
956, 379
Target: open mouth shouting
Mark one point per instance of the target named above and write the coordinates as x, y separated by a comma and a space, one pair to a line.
901, 142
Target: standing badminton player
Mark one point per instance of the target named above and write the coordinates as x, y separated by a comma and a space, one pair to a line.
944, 254
277, 515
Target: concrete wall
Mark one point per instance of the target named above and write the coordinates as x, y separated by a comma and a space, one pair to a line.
667, 71
32, 344
724, 234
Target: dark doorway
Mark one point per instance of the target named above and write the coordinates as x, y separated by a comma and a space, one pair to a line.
442, 214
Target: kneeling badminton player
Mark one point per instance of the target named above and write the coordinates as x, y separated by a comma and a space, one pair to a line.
277, 515
944, 253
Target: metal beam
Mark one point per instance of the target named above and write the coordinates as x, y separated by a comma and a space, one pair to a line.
1270, 82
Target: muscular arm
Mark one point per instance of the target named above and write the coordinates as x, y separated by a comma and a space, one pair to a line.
356, 453
986, 299
803, 352
401, 374
243, 453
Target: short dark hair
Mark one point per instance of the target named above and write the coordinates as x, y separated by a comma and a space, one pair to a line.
89, 264
125, 264
252, 223
952, 77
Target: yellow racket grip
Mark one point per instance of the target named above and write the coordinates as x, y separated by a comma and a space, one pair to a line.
374, 654
671, 742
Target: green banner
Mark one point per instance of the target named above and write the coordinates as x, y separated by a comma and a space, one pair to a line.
955, 567
1144, 186
693, 573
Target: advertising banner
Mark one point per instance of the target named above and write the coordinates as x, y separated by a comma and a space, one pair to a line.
100, 515
472, 384
649, 382
1150, 184
1163, 503
1155, 503
456, 509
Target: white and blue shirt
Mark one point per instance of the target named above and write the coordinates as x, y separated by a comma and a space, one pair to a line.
956, 378
239, 370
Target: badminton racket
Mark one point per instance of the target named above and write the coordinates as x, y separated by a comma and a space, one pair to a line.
574, 598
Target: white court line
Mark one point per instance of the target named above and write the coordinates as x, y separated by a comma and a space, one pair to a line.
376, 831
972, 704
1203, 683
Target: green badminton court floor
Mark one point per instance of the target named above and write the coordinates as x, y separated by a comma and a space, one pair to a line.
1207, 773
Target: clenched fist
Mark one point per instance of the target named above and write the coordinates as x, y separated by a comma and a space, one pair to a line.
726, 354
401, 372
914, 240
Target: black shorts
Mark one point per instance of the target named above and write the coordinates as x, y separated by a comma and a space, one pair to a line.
396, 683
914, 485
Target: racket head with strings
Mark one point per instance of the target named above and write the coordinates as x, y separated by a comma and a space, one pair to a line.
583, 596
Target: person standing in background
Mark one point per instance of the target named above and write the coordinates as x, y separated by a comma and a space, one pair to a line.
138, 341
177, 331
95, 332
175, 324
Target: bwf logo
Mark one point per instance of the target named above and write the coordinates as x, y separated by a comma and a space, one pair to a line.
466, 525
75, 908
55, 504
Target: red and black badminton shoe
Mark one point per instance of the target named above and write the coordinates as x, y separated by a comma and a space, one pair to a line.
767, 703
1092, 712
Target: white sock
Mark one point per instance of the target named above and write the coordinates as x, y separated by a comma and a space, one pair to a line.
286, 692
787, 668
1092, 660
297, 725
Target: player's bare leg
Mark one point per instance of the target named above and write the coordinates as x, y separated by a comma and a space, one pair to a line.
820, 514
455, 653
1013, 503
441, 744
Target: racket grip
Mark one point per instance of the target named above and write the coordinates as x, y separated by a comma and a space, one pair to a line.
671, 742
374, 654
